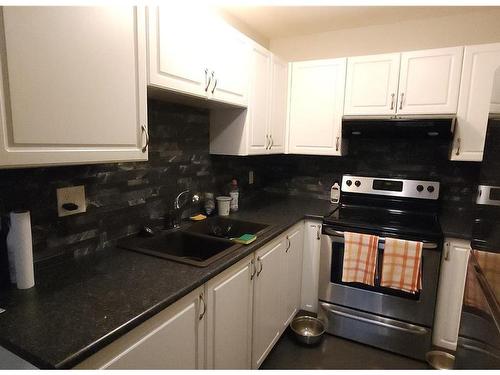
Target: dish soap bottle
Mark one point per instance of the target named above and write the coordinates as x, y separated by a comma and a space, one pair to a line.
234, 193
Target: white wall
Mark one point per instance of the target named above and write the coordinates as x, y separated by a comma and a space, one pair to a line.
470, 28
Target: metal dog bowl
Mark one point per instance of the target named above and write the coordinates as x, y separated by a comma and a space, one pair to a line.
307, 330
440, 360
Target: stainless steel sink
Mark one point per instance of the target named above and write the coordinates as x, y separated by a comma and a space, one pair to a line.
180, 246
223, 227
199, 245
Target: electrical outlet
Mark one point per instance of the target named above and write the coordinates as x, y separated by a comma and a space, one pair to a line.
250, 177
73, 199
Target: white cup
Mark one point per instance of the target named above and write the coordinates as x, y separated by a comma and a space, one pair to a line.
223, 205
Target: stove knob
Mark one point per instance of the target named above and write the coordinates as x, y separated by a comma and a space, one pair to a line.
348, 182
420, 188
357, 183
430, 189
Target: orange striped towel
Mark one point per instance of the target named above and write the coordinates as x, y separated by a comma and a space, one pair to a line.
401, 265
360, 258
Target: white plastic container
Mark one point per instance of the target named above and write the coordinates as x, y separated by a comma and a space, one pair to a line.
223, 205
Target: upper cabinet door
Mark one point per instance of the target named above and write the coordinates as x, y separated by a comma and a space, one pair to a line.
177, 49
429, 81
316, 107
372, 84
480, 71
228, 51
279, 105
74, 85
258, 134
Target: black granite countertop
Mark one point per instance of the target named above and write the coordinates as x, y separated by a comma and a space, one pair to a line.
78, 307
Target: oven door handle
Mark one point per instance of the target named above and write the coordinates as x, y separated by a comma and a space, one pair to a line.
383, 322
340, 235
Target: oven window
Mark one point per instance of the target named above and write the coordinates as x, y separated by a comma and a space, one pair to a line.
336, 274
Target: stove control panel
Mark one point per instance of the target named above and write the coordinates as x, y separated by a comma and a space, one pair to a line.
390, 187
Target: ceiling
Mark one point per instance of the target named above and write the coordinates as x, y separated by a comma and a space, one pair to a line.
287, 21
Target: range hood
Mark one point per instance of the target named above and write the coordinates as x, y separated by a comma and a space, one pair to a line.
398, 127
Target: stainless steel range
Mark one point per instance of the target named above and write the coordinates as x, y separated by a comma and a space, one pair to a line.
387, 318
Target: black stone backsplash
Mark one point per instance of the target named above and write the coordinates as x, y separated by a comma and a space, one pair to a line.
314, 175
123, 197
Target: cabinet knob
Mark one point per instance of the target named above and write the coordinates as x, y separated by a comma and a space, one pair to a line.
145, 131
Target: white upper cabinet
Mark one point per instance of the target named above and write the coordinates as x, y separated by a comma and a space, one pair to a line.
279, 105
260, 93
372, 84
261, 128
192, 51
316, 107
229, 55
481, 68
408, 83
429, 81
73, 86
177, 50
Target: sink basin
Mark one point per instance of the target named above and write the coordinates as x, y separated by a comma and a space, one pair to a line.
180, 246
226, 228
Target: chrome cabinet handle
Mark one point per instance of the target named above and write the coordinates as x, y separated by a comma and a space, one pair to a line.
272, 142
261, 266
458, 146
401, 102
318, 232
392, 100
267, 141
145, 131
202, 301
208, 80
337, 144
288, 245
215, 81
254, 269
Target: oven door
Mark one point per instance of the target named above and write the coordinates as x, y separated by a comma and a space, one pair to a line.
415, 308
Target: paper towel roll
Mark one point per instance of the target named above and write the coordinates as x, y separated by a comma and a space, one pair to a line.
19, 243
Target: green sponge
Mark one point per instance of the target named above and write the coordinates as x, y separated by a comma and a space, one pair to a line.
245, 239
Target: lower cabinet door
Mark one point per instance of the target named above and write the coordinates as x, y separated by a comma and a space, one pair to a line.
450, 293
267, 313
172, 339
229, 317
292, 276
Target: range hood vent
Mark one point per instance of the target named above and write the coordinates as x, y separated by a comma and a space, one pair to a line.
398, 127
